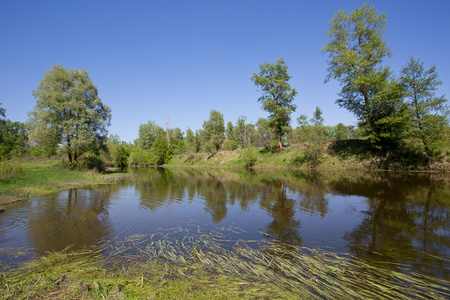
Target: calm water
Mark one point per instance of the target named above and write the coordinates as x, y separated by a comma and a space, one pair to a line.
387, 219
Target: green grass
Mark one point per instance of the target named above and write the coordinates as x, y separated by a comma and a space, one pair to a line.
43, 176
166, 265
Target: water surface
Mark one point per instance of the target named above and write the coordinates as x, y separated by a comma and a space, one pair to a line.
399, 221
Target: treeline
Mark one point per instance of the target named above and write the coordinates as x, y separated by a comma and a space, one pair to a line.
156, 145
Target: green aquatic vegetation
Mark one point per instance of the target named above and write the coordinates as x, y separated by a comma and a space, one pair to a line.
192, 262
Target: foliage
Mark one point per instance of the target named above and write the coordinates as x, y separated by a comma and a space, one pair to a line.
341, 131
317, 119
10, 169
189, 141
249, 158
356, 51
121, 156
214, 130
429, 114
175, 141
67, 105
313, 136
148, 134
139, 157
13, 137
277, 96
160, 151
264, 133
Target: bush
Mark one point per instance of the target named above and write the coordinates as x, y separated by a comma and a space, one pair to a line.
9, 170
249, 159
90, 162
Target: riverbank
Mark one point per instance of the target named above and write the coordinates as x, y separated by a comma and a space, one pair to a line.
335, 157
41, 176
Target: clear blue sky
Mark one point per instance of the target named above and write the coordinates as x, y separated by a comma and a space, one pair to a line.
178, 60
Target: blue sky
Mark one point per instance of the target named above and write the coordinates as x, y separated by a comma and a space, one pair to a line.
178, 60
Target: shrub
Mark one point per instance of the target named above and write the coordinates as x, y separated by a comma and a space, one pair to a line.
249, 159
9, 170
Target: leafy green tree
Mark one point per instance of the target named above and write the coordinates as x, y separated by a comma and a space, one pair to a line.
277, 96
13, 138
340, 131
240, 132
175, 139
214, 130
67, 103
317, 119
121, 156
147, 134
2, 111
160, 151
230, 142
428, 111
190, 141
356, 51
264, 133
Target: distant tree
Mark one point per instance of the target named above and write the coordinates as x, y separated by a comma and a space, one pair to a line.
214, 130
264, 133
13, 137
199, 140
2, 111
302, 120
160, 151
114, 139
241, 132
277, 96
356, 51
67, 104
317, 119
230, 142
251, 134
147, 134
121, 155
190, 141
340, 131
428, 111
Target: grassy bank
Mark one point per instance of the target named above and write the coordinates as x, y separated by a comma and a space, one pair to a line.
199, 267
42, 176
346, 156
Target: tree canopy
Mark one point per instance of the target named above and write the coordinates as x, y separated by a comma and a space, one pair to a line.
67, 104
428, 111
356, 51
277, 95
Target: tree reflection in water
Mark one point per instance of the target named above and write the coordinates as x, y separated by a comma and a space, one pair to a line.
73, 217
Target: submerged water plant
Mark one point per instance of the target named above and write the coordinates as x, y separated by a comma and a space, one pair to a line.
191, 262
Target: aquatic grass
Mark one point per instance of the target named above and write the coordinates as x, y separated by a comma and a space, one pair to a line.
190, 263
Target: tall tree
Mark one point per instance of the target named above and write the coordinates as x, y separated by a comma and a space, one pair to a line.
214, 130
356, 51
277, 96
428, 111
67, 102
